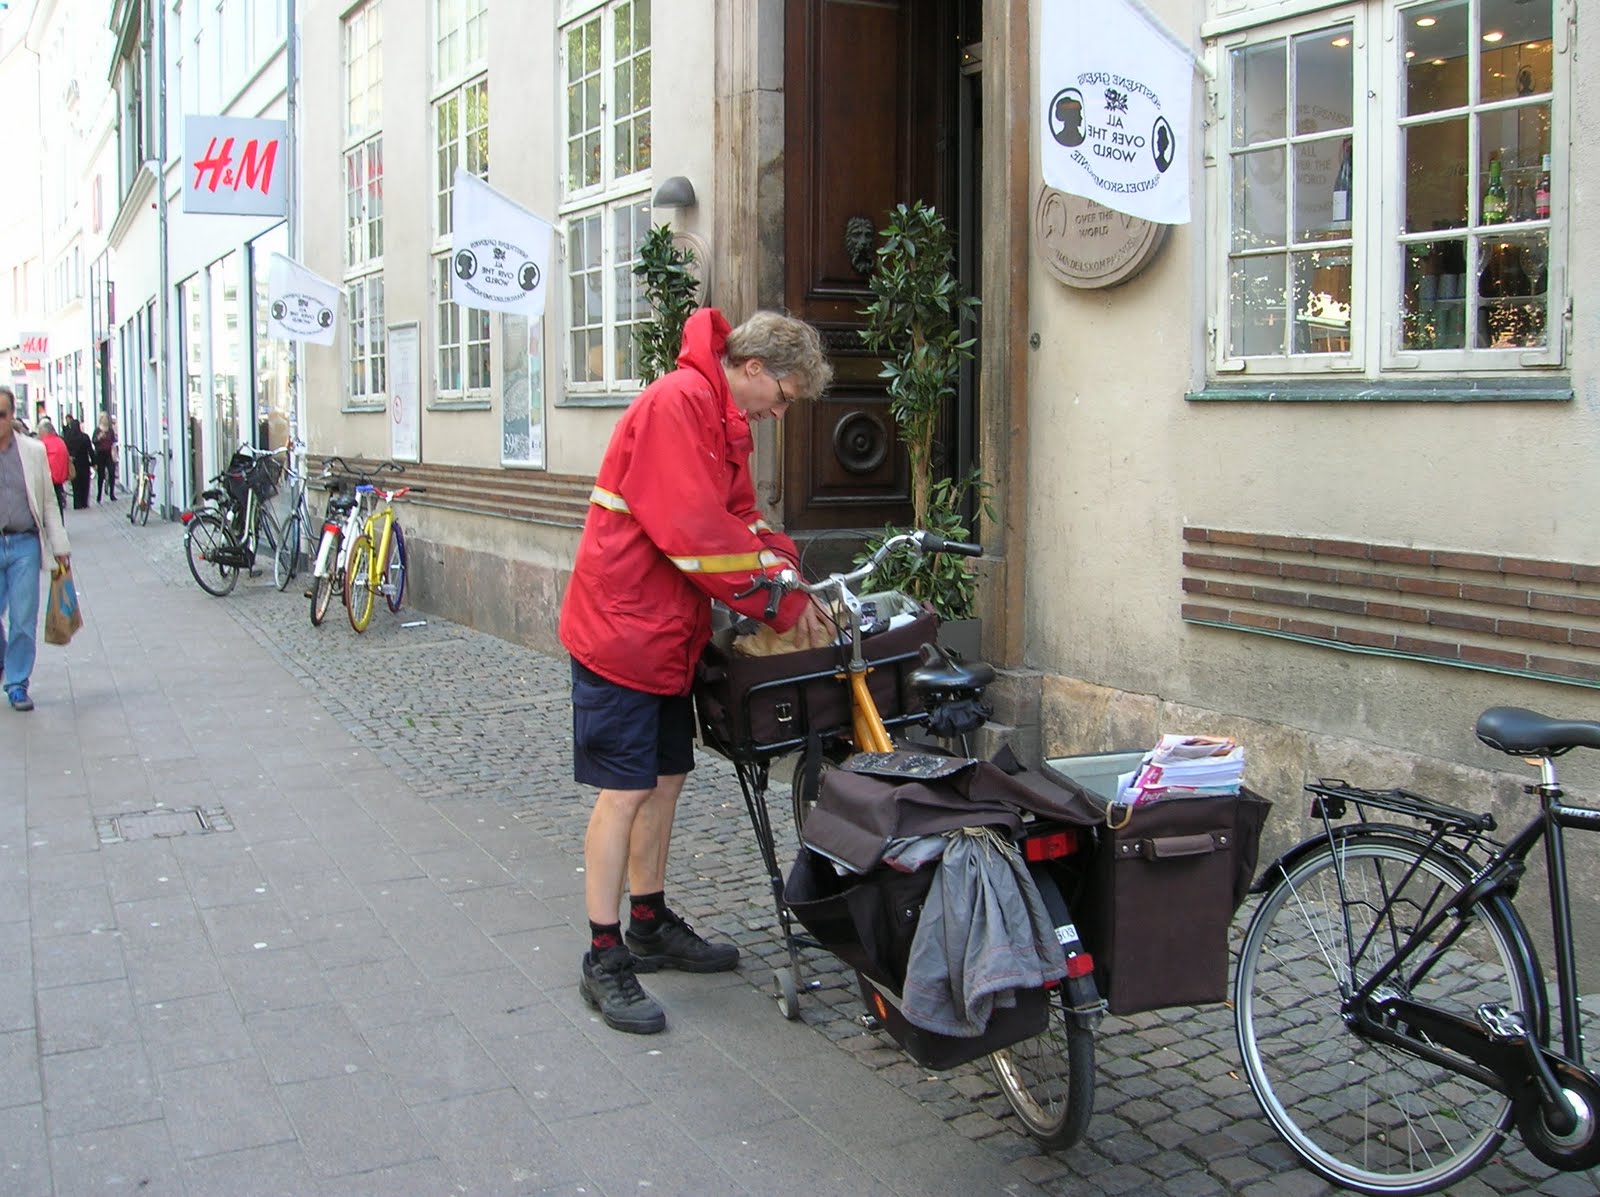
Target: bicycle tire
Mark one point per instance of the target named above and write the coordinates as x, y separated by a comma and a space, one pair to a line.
1049, 1079
286, 560
1368, 1116
205, 534
133, 503
358, 589
328, 583
801, 799
394, 573
146, 501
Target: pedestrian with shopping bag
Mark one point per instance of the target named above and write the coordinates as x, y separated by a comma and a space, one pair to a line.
30, 524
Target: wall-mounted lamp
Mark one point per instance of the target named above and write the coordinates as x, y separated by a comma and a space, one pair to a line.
676, 192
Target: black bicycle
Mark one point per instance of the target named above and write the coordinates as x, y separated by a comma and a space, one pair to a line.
1390, 1006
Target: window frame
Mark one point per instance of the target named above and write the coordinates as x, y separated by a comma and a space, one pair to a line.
366, 353
1377, 212
460, 340
608, 196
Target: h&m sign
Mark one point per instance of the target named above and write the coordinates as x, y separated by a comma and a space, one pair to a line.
235, 167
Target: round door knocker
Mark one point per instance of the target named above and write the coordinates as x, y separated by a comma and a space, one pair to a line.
861, 442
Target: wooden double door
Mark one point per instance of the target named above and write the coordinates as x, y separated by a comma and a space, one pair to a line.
880, 108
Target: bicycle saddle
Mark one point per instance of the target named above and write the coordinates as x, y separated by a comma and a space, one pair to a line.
940, 671
1528, 733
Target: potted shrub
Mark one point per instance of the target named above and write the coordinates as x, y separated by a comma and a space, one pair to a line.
672, 290
916, 321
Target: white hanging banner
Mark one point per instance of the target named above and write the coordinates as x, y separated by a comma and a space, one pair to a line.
301, 306
1117, 90
499, 252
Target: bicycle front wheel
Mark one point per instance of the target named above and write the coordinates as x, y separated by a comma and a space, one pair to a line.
358, 588
286, 561
133, 503
147, 498
330, 581
394, 574
1367, 1115
1049, 1079
211, 550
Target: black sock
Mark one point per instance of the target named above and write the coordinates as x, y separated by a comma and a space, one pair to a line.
646, 910
603, 936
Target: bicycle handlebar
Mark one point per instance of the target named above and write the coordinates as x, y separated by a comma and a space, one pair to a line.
921, 541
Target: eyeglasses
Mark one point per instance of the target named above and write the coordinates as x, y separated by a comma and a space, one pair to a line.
783, 395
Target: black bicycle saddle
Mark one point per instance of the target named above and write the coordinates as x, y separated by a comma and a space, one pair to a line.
1528, 733
941, 671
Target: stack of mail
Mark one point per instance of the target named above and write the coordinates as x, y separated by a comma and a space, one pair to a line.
1184, 767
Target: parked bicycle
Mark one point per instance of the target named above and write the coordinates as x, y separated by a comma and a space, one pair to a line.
341, 523
1391, 1009
143, 491
377, 563
887, 687
296, 524
225, 532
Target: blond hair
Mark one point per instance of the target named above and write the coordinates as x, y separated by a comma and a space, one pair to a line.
789, 348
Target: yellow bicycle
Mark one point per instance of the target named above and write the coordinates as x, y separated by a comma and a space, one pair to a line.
377, 560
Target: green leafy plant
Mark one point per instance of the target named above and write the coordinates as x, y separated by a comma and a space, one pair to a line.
916, 321
672, 291
943, 580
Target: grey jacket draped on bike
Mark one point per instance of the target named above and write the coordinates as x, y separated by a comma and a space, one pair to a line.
983, 934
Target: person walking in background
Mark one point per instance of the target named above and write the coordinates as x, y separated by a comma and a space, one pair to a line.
105, 459
26, 529
672, 524
60, 461
81, 450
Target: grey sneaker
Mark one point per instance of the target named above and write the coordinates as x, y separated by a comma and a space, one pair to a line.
675, 944
610, 986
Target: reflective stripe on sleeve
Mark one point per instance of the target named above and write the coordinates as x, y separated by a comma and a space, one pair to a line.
726, 563
760, 526
611, 502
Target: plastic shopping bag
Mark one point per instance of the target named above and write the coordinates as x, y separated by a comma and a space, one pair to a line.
63, 618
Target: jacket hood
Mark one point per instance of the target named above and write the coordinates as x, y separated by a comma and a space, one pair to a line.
705, 337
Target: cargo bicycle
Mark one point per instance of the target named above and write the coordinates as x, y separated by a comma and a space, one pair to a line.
867, 696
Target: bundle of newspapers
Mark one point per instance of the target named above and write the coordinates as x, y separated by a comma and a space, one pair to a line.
1184, 767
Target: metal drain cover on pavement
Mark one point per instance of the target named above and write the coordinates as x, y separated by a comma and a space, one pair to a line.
161, 824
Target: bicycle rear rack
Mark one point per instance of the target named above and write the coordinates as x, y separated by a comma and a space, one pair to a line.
1333, 794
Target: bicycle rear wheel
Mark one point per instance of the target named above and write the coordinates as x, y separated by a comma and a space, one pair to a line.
1370, 1116
330, 581
286, 561
394, 573
207, 539
1049, 1079
358, 589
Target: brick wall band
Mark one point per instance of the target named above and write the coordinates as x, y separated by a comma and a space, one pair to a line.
1470, 610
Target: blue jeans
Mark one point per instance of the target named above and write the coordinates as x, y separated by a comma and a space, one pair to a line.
19, 594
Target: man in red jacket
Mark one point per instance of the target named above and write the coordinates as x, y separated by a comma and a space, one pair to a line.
60, 461
672, 524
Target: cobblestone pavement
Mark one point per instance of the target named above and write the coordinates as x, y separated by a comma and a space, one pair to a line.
457, 713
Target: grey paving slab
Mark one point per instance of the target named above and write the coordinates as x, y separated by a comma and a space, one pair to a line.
368, 985
137, 1158
24, 1152
223, 1107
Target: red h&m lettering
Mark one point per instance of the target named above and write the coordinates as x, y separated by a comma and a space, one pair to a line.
255, 166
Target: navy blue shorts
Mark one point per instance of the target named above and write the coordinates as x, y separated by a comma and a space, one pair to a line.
624, 739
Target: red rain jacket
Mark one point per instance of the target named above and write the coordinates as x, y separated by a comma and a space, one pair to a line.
56, 450
672, 523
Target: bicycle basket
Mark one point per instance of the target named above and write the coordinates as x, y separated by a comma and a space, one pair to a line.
245, 473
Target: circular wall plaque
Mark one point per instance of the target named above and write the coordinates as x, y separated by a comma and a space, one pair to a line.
1085, 244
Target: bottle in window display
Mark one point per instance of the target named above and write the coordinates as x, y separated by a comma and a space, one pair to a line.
1341, 185
1541, 191
1494, 199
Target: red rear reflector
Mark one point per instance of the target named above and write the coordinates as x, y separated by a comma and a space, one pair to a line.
330, 527
1053, 846
185, 517
1080, 965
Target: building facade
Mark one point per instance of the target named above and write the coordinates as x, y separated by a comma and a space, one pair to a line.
1312, 469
